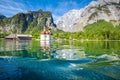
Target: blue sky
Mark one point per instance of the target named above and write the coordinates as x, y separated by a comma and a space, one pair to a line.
57, 7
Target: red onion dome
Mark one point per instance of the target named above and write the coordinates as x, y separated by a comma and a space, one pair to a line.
47, 32
44, 32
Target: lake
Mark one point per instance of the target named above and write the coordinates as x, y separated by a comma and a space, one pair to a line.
59, 60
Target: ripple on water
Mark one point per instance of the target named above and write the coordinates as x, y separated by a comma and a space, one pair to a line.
55, 69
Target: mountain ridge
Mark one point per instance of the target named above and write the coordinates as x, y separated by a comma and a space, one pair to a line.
31, 22
76, 20
2, 16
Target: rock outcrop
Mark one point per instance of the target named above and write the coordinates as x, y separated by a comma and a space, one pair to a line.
30, 22
2, 17
76, 20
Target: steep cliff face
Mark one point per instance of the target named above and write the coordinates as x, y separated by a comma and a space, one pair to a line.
76, 20
31, 22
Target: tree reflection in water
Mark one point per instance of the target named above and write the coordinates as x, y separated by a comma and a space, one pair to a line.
59, 61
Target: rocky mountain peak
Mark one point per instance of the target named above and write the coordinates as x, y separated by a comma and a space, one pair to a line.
2, 16
32, 21
108, 1
76, 20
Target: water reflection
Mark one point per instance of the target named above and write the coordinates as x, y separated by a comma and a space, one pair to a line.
11, 45
70, 54
37, 60
59, 50
46, 49
66, 52
45, 46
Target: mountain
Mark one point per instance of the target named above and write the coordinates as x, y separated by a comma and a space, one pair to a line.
76, 20
31, 22
2, 17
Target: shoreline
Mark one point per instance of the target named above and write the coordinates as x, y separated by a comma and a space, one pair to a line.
73, 39
82, 40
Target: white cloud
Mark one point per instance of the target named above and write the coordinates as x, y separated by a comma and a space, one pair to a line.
65, 6
9, 7
62, 8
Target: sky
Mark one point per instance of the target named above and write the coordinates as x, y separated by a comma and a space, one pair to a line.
57, 7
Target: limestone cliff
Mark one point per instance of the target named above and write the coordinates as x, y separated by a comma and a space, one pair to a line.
30, 22
76, 20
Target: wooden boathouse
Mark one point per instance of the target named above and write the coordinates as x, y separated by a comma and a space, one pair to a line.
19, 36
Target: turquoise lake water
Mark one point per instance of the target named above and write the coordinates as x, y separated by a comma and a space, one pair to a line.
59, 60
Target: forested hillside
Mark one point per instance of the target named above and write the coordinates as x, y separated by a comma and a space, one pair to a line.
100, 30
31, 22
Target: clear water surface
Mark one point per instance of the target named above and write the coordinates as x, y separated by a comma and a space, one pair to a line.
59, 60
